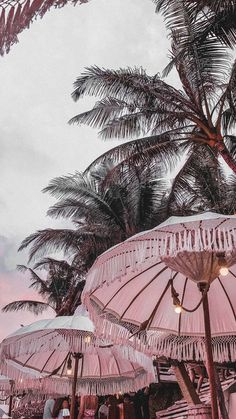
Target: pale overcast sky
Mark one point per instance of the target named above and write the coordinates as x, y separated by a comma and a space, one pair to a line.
37, 144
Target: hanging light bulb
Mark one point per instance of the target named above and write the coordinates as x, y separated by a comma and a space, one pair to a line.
69, 366
223, 264
87, 339
224, 270
176, 301
178, 308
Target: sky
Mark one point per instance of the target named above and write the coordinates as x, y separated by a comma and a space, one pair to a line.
37, 144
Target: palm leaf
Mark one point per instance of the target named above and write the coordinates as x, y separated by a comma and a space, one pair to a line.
35, 307
48, 240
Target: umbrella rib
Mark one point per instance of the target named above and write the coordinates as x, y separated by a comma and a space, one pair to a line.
231, 273
182, 302
100, 366
148, 322
64, 363
19, 338
24, 364
131, 279
220, 224
48, 360
82, 366
142, 289
56, 370
133, 368
227, 296
118, 368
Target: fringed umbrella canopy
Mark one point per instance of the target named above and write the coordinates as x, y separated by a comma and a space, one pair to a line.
37, 356
101, 371
141, 273
74, 333
17, 15
186, 263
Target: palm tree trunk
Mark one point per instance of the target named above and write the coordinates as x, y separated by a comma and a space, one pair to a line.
66, 309
225, 154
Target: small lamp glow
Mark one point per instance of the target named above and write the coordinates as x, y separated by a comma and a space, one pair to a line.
178, 309
87, 339
222, 264
69, 366
224, 270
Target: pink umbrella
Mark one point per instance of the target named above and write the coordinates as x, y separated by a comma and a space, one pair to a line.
44, 354
180, 264
100, 371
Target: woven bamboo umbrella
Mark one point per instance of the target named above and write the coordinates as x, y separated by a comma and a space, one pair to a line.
186, 266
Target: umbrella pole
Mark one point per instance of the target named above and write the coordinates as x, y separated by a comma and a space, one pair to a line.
72, 408
10, 405
11, 397
210, 363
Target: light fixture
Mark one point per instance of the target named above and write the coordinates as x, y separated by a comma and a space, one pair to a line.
222, 264
224, 270
178, 308
176, 301
69, 366
87, 339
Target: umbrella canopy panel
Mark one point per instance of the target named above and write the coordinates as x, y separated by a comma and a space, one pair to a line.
101, 371
207, 235
146, 296
141, 274
69, 333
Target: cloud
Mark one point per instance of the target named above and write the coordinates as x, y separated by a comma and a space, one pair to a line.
37, 144
14, 286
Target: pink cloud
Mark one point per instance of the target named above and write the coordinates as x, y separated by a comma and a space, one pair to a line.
14, 286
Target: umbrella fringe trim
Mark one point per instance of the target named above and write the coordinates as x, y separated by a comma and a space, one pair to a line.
68, 342
187, 348
133, 255
90, 386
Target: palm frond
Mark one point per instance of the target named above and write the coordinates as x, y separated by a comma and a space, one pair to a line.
16, 16
102, 82
214, 17
51, 240
103, 110
47, 262
159, 148
134, 104
37, 282
35, 307
200, 167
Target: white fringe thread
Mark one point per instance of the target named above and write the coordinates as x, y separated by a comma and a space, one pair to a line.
134, 254
62, 386
181, 348
74, 341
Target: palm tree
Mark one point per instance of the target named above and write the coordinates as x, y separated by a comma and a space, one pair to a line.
60, 291
166, 121
16, 15
106, 209
217, 17
102, 214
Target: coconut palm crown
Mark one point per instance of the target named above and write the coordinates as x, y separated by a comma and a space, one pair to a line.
60, 291
163, 119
